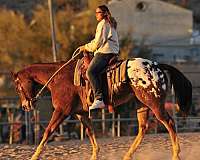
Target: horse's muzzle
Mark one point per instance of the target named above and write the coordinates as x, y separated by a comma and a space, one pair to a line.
28, 106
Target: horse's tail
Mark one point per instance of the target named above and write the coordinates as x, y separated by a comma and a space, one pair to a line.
182, 88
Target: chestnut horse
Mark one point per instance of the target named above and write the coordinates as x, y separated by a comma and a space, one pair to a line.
147, 82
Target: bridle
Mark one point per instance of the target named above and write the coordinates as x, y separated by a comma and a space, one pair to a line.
34, 99
21, 90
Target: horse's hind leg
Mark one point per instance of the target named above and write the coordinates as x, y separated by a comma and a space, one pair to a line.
142, 116
163, 116
56, 119
90, 132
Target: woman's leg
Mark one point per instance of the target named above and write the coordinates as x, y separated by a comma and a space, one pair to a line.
97, 65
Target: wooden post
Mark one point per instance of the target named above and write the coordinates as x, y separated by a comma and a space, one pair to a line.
26, 124
174, 110
37, 126
82, 132
53, 34
61, 129
118, 125
113, 124
11, 121
103, 121
10, 114
30, 135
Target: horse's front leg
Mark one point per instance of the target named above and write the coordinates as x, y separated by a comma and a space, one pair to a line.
142, 116
90, 132
56, 119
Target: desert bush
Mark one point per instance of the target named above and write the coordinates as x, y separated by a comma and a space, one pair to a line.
13, 35
95, 3
25, 42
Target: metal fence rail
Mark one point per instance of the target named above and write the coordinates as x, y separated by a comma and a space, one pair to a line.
32, 126
113, 125
105, 127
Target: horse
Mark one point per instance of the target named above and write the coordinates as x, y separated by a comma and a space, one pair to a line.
148, 83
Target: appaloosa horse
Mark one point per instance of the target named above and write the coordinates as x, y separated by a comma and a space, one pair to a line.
147, 81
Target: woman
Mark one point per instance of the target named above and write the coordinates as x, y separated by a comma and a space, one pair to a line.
105, 45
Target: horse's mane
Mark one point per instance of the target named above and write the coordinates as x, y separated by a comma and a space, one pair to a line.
53, 65
41, 72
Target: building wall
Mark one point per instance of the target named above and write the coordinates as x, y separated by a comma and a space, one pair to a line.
166, 28
177, 54
155, 20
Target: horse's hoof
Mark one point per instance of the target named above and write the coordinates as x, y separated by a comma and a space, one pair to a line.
127, 158
93, 158
176, 158
34, 158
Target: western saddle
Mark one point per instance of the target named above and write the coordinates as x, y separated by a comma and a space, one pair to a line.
115, 73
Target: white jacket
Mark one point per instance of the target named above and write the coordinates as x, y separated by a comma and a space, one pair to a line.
105, 41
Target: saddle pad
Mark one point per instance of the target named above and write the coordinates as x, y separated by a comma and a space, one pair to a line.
77, 74
119, 73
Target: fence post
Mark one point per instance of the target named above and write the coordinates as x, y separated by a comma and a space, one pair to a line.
118, 125
103, 121
30, 128
174, 110
61, 129
11, 121
113, 124
82, 132
26, 124
37, 126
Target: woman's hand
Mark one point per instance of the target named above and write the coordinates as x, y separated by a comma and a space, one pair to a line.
82, 49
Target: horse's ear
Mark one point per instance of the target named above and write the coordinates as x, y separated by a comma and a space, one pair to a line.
13, 75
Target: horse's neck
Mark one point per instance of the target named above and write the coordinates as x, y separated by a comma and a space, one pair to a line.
41, 73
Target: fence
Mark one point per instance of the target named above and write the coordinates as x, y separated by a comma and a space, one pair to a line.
31, 125
113, 126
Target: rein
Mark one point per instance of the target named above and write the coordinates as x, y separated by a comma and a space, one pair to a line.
73, 57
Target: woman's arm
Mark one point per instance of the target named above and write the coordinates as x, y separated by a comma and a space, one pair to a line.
99, 38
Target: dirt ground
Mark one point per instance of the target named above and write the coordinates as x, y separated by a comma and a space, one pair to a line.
154, 147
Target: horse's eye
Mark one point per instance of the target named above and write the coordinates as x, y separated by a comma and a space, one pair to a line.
18, 88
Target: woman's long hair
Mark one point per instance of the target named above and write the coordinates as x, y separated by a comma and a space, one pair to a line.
107, 16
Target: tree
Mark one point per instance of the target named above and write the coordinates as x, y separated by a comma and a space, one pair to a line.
93, 4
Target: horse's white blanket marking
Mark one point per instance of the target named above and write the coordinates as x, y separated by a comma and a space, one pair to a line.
143, 73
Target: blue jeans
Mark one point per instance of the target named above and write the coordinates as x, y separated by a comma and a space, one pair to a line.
94, 72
